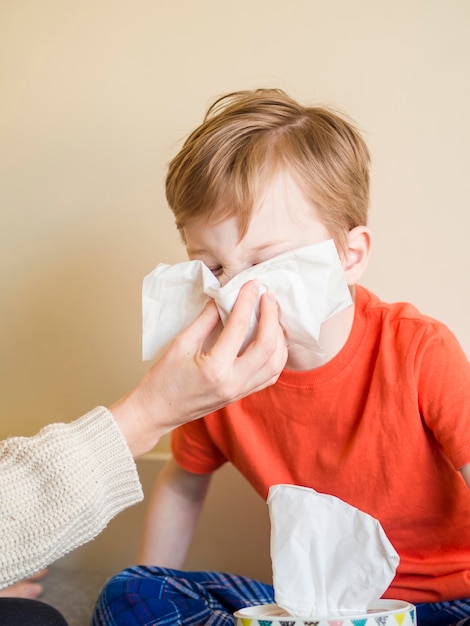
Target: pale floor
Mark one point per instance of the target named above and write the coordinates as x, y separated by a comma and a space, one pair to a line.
73, 593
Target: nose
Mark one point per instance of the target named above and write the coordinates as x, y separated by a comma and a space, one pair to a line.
224, 279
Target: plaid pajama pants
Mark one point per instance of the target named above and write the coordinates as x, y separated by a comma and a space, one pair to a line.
155, 596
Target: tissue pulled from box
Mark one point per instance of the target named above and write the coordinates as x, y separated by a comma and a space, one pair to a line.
308, 283
329, 558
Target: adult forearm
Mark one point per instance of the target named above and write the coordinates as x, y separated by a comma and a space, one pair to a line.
59, 489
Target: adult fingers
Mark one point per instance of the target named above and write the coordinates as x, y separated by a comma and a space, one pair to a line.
200, 329
267, 354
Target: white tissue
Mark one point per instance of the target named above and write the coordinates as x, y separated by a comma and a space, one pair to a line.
308, 283
328, 557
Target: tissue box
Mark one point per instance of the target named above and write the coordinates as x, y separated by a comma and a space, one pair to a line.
403, 614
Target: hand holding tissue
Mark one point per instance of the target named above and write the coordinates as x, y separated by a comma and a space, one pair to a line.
308, 283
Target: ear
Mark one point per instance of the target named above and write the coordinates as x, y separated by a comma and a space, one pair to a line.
357, 256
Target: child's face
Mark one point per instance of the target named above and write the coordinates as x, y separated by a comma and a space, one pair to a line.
282, 220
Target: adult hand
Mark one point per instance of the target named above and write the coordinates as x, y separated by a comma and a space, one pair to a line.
28, 588
186, 382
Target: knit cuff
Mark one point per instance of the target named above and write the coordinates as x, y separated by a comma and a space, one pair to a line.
60, 488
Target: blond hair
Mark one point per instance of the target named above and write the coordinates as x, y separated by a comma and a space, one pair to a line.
248, 136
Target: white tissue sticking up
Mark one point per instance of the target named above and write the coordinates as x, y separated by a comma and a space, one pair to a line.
328, 557
308, 283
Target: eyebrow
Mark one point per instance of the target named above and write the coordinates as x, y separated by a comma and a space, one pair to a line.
252, 250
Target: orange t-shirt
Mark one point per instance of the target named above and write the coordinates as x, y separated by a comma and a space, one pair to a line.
384, 426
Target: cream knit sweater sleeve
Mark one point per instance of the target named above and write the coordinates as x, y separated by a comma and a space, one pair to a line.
59, 489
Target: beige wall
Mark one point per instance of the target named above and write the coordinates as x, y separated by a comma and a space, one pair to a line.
94, 99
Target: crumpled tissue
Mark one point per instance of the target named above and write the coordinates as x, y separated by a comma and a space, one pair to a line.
328, 558
308, 283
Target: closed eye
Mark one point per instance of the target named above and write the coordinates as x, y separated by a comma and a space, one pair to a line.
217, 271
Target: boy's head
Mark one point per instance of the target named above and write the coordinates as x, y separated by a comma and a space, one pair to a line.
250, 138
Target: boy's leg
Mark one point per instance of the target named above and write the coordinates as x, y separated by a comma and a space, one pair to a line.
443, 613
165, 597
16, 611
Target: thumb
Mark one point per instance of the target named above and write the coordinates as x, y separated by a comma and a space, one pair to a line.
200, 329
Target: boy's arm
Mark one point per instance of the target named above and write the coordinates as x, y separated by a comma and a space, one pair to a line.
172, 516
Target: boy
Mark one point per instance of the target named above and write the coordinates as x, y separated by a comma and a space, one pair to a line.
380, 419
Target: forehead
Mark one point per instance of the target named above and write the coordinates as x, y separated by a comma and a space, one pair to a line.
282, 217
202, 235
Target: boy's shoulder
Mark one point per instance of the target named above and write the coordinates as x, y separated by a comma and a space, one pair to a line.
399, 318
371, 303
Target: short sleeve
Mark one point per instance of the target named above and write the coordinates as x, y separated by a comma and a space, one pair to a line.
194, 449
443, 378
